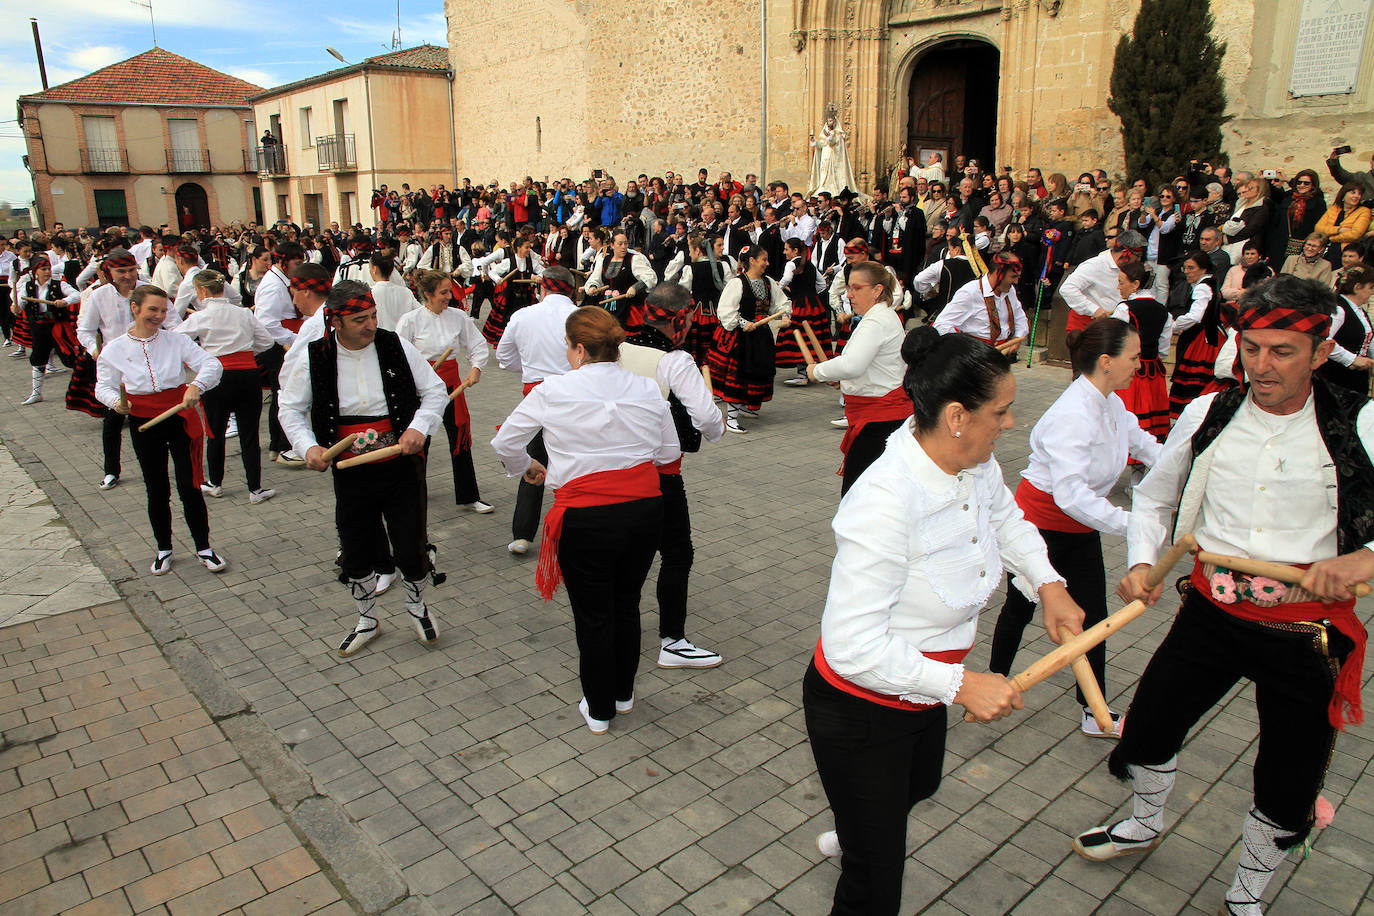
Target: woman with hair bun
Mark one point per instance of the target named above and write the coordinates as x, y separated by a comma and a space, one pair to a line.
606, 431
1200, 334
869, 371
1079, 448
921, 541
743, 353
1148, 395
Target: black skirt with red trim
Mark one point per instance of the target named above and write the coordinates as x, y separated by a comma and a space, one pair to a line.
20, 335
731, 384
1148, 398
1194, 371
506, 302
809, 308
81, 388
701, 332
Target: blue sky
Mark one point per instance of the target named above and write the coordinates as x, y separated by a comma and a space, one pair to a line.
268, 43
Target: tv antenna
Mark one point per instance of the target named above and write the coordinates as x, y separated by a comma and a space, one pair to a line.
396, 36
148, 5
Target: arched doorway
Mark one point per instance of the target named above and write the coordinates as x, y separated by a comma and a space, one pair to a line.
952, 101
193, 209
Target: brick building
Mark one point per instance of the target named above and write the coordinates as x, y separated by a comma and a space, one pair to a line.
153, 139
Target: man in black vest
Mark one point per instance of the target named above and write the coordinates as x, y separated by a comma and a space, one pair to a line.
1253, 472
361, 379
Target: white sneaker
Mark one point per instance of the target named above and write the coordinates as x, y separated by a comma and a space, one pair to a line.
518, 546
34, 398
829, 844
213, 561
680, 653
162, 563
1100, 843
479, 507
1090, 727
261, 495
109, 481
56, 370
232, 430
624, 706
386, 580
733, 426
595, 726
210, 489
841, 423
797, 381
21, 353
290, 459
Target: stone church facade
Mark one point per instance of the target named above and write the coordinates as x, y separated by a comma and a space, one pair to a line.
563, 87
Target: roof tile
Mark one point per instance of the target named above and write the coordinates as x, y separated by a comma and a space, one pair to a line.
156, 77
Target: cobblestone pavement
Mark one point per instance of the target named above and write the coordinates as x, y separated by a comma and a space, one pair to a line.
460, 778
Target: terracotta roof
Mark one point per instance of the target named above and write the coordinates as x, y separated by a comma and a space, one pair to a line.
420, 57
155, 77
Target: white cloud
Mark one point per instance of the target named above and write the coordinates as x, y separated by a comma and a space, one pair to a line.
94, 57
258, 77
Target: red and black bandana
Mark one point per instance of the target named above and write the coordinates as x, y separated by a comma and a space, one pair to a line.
319, 285
857, 246
1283, 319
1002, 262
554, 285
333, 312
119, 258
675, 319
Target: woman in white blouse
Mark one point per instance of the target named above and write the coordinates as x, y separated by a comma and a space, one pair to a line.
921, 542
434, 329
1351, 359
232, 334
140, 374
1078, 450
742, 354
606, 431
869, 371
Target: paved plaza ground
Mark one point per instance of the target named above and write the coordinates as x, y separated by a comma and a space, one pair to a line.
191, 743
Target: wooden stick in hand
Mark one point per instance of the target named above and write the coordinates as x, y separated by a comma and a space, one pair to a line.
443, 356
1282, 572
805, 350
815, 342
706, 377
1092, 691
166, 414
457, 390
338, 448
389, 451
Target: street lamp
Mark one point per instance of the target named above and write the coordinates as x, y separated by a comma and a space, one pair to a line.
336, 55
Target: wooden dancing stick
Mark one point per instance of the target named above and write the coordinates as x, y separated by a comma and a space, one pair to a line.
815, 342
166, 414
1071, 649
760, 322
389, 451
338, 448
805, 350
706, 377
443, 356
457, 390
1007, 347
1282, 572
1092, 691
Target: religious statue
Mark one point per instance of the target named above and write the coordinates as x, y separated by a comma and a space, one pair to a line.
830, 168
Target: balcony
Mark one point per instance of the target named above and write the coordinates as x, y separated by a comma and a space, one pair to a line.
336, 153
95, 161
188, 160
271, 160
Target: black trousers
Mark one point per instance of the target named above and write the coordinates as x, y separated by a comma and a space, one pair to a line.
366, 497
239, 392
676, 566
605, 553
1205, 653
6, 316
41, 343
464, 474
875, 764
111, 428
1077, 556
152, 448
865, 449
270, 363
529, 499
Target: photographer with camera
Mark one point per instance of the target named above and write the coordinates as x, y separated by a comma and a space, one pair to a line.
1364, 179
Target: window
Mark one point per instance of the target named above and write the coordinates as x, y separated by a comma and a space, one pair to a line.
102, 152
307, 135
185, 153
111, 209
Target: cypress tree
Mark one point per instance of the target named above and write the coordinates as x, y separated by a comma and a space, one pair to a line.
1166, 88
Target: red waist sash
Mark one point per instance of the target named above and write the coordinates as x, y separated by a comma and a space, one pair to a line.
1346, 707
243, 359
147, 406
950, 656
452, 376
600, 488
673, 467
1042, 511
373, 435
530, 386
860, 411
1077, 321
293, 324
